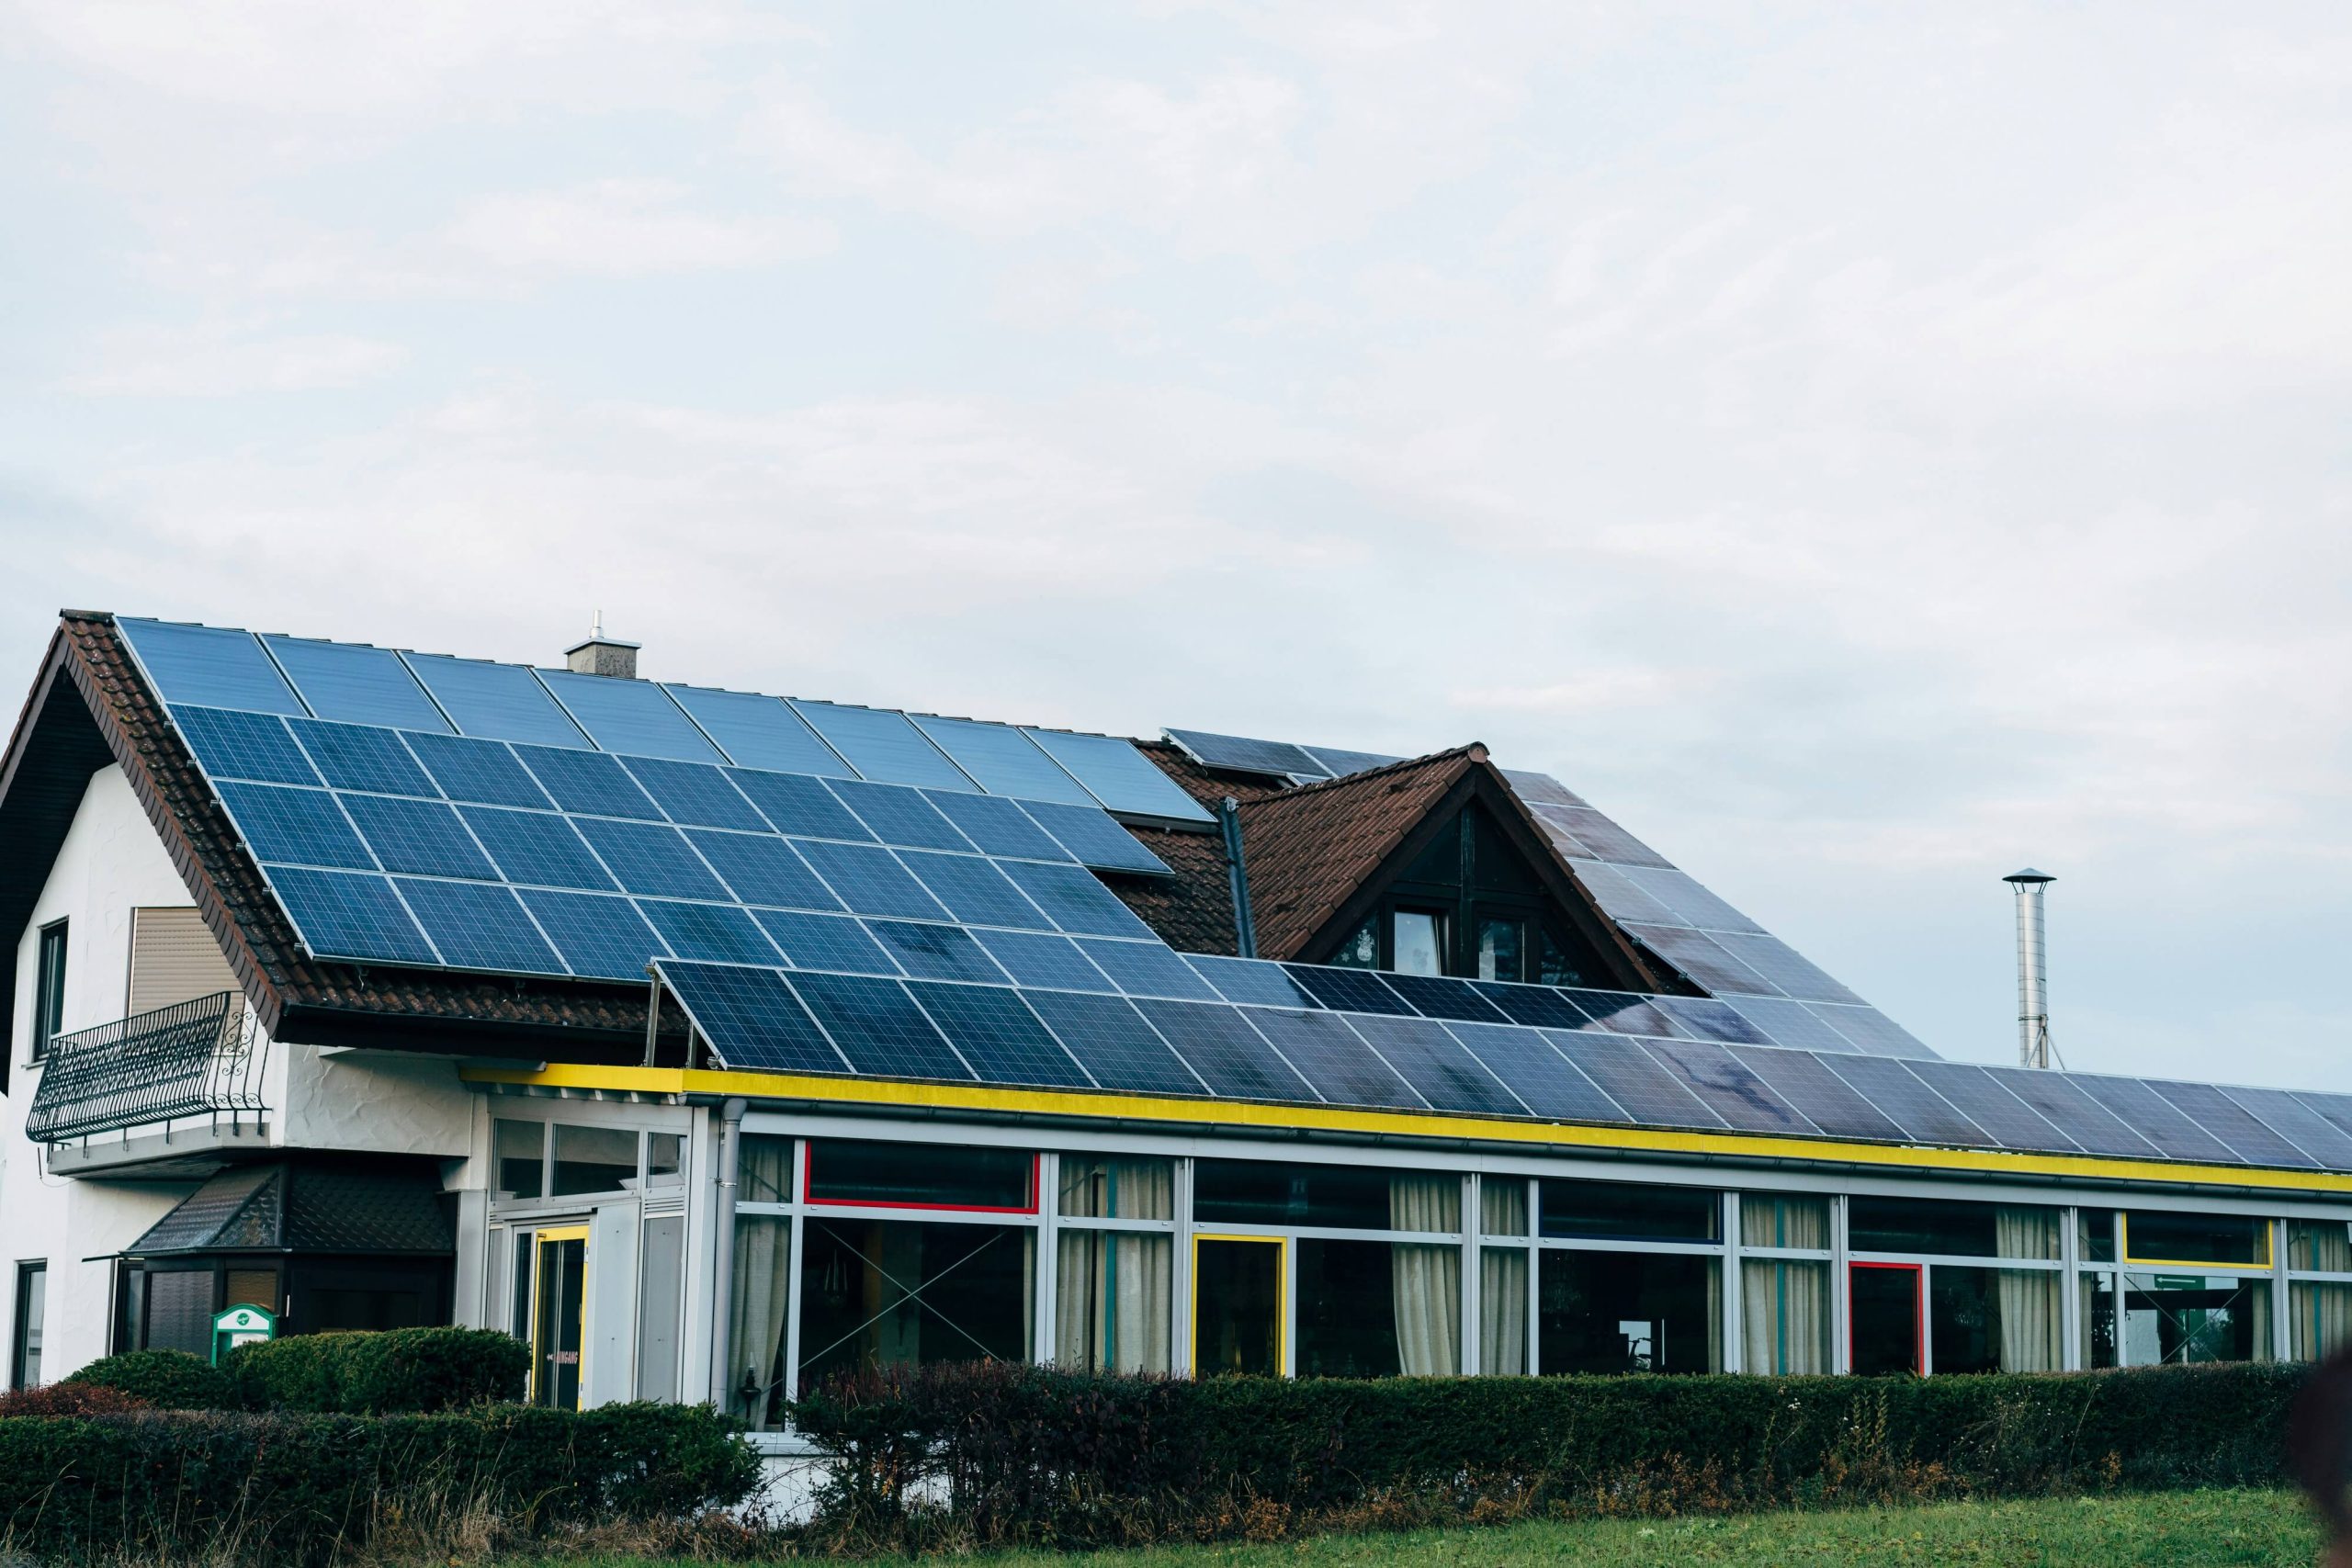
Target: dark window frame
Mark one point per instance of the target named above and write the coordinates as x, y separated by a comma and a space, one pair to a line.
28, 1270
49, 987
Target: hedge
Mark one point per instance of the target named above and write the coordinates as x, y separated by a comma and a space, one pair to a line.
168, 1379
298, 1488
381, 1373
1034, 1454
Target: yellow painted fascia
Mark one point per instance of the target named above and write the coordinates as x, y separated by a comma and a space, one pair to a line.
1244, 1115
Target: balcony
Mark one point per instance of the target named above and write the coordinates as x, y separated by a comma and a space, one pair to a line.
200, 1059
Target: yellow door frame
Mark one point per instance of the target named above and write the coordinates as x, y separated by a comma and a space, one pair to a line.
1280, 1244
540, 1240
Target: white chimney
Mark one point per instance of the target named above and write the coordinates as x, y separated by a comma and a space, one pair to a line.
2034, 968
602, 655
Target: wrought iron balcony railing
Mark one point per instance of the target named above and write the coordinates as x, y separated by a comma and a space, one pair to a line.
199, 1058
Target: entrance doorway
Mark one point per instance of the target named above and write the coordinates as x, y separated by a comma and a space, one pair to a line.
559, 1306
1238, 1307
1883, 1320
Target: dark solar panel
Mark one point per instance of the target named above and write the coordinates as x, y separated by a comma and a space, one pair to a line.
937, 952
1147, 969
999, 827
632, 717
1712, 1020
1075, 901
1349, 990
1111, 1041
1547, 1081
1094, 838
341, 915
825, 941
423, 837
1925, 1116
605, 938
2298, 1124
1326, 1052
2086, 1121
1619, 897
1343, 762
1980, 1096
877, 1026
2154, 1118
763, 869
1618, 1013
1255, 980
1871, 1031
1792, 1024
2336, 1108
1001, 760
999, 1035
483, 772
479, 926
1235, 753
1824, 1099
1054, 962
751, 1018
355, 683
496, 702
1436, 996
1541, 789
589, 781
901, 816
353, 756
1633, 1077
303, 827
870, 880
537, 847
1699, 956
720, 934
208, 666
1727, 1087
1441, 1069
974, 890
236, 745
648, 857
1231, 1057
1788, 970
1538, 1007
1606, 840
1691, 902
695, 795
2253, 1140
800, 806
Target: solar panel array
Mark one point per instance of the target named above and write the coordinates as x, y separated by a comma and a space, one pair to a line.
1663, 908
1245, 1029
355, 683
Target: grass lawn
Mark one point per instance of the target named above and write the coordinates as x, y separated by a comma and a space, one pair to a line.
2187, 1529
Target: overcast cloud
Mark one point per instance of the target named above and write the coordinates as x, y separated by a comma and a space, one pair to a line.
1865, 448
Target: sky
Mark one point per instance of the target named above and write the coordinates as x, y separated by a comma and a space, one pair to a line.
1865, 448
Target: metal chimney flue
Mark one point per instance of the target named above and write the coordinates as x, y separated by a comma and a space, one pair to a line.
2034, 968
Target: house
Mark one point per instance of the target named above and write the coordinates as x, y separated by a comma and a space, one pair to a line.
712, 1042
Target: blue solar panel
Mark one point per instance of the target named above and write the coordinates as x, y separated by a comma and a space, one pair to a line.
1091, 836
1231, 1057
208, 667
1691, 902
871, 881
974, 890
1118, 775
1002, 761
882, 745
1633, 1078
423, 837
650, 858
1075, 902
590, 783
718, 932
878, 1027
824, 941
1256, 980
497, 702
355, 683
1437, 1067
605, 938
1436, 996
355, 756
901, 816
2252, 1139
1793, 1024
1871, 1031
763, 869
483, 772
1710, 1019
1618, 1013
340, 915
1539, 1007
759, 732
1111, 1041
632, 717
1898, 1093
998, 1034
1729, 1088
479, 927
1240, 754
1823, 1098
1349, 990
751, 1018
1619, 895
937, 952
1147, 969
299, 826
1701, 957
2155, 1119
696, 796
233, 744
1033, 958
998, 827
538, 847
1546, 1080
799, 804
1324, 1050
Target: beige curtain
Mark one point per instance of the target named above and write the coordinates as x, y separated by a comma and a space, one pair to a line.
1113, 1301
1786, 1317
2032, 1333
2026, 1233
1426, 1280
2257, 1303
1502, 1310
1766, 1221
764, 1173
2321, 1316
762, 1301
1118, 1188
1502, 1206
2319, 1247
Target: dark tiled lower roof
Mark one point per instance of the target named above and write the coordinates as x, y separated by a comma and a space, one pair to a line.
293, 1206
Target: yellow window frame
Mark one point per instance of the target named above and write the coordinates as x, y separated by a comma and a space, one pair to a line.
2210, 1266
1280, 1244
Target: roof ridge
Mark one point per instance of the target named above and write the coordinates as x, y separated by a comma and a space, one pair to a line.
1475, 750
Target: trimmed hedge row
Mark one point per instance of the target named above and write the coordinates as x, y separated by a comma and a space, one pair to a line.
392, 1371
168, 1379
1027, 1453
151, 1486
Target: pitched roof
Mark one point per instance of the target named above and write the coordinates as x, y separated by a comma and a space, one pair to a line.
300, 1206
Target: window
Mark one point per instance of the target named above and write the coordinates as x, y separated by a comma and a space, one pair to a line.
1620, 1209
593, 1159
916, 1176
49, 989
663, 1155
1501, 944
1994, 1320
519, 1150
1952, 1229
32, 1311
762, 1309
1327, 1197
1785, 1302
2168, 1236
1621, 1312
2173, 1318
1420, 945
893, 1292
1115, 1290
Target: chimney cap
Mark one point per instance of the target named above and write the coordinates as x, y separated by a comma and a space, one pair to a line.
2029, 875
600, 641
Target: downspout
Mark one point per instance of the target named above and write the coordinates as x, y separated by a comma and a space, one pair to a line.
1244, 929
722, 1278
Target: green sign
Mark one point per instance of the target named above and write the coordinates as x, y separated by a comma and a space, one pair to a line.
241, 1325
2180, 1281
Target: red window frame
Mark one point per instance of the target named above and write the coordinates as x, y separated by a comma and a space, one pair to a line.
1918, 1272
809, 1191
